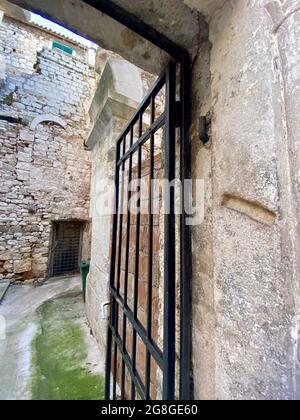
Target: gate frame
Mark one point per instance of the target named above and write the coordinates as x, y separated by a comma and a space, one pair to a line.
182, 57
116, 342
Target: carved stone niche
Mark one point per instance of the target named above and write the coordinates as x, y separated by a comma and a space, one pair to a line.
47, 118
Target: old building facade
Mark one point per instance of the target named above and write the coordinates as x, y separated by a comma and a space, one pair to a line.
45, 169
244, 73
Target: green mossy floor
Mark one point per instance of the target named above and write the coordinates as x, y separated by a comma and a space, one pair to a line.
60, 353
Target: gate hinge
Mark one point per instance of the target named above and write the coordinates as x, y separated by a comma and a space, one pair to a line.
178, 114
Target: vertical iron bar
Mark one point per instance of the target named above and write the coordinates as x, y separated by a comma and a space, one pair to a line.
122, 168
185, 239
137, 259
117, 309
112, 279
150, 249
170, 254
126, 265
120, 250
115, 376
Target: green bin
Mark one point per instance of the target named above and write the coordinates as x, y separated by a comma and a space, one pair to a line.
84, 270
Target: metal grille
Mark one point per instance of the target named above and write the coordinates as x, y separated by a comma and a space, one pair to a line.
66, 248
141, 348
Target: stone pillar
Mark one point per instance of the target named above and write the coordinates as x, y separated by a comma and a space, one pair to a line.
246, 253
119, 94
286, 30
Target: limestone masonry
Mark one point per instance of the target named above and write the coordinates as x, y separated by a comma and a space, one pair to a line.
45, 169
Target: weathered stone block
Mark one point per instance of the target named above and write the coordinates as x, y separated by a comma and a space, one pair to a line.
23, 175
24, 166
5, 256
26, 136
24, 157
22, 266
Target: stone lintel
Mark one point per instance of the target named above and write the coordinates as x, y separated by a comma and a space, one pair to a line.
101, 29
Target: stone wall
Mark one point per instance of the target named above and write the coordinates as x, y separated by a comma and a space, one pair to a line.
44, 168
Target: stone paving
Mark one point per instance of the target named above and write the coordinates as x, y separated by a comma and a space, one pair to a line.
4, 285
46, 349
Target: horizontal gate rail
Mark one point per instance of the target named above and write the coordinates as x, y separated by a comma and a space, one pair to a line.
128, 362
153, 349
156, 125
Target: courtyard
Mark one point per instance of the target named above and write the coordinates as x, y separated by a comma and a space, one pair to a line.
49, 352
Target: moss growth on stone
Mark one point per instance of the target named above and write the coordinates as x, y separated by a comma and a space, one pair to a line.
60, 354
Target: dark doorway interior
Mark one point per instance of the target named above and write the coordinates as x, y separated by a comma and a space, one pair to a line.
66, 248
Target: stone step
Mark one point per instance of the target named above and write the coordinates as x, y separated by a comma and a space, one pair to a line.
4, 285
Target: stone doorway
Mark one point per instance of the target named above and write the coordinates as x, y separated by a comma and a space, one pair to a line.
66, 249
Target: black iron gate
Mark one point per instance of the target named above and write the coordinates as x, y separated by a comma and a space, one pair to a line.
141, 343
